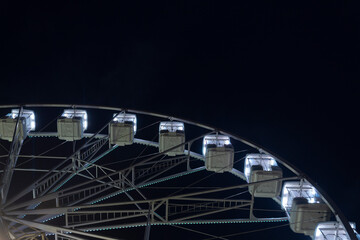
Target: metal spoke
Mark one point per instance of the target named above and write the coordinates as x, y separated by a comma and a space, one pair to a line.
101, 186
202, 233
15, 148
41, 155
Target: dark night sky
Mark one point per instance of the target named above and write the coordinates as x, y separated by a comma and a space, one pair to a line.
282, 73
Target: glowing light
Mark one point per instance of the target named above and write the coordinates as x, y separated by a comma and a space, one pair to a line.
125, 117
27, 114
264, 160
171, 126
217, 140
184, 223
293, 190
331, 230
72, 113
32, 124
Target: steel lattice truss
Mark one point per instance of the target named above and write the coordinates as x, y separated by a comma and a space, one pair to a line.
88, 188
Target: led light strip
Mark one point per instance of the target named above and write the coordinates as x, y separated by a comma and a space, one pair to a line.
188, 223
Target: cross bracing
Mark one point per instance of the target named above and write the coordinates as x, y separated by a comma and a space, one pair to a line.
79, 189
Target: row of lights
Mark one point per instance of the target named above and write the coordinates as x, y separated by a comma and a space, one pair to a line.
186, 223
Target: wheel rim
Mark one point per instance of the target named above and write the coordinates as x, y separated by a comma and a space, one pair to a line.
78, 169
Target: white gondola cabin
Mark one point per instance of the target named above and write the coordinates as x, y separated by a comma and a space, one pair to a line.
72, 124
262, 167
8, 124
219, 153
122, 129
303, 206
172, 134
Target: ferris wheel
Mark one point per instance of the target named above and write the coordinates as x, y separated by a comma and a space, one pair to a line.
71, 172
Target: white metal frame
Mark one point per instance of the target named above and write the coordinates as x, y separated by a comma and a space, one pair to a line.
83, 200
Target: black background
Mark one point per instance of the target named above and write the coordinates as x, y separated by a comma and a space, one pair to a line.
281, 73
